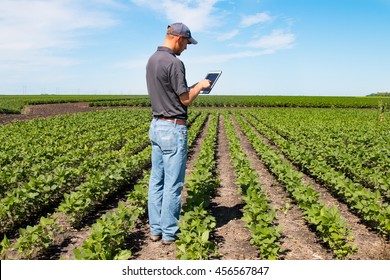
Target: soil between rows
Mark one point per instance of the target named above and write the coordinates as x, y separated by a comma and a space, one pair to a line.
298, 242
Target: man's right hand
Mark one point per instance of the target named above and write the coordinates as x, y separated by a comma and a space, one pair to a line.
205, 83
187, 97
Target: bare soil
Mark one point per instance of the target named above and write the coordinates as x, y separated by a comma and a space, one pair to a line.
48, 110
231, 236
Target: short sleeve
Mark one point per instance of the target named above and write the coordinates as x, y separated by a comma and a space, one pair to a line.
178, 78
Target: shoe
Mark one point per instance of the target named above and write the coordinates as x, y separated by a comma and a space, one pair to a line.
155, 238
168, 242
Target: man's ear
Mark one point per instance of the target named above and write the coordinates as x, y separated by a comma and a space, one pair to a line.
178, 38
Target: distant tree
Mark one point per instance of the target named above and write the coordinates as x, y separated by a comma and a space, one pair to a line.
380, 94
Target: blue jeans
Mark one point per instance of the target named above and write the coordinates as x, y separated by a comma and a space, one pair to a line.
169, 157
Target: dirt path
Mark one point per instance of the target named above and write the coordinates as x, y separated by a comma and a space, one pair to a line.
232, 237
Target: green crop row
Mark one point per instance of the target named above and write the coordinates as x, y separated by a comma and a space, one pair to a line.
354, 142
13, 104
196, 224
34, 240
66, 141
367, 204
328, 223
81, 202
259, 217
108, 234
45, 190
381, 103
78, 204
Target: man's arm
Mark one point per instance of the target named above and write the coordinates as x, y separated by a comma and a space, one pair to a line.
187, 97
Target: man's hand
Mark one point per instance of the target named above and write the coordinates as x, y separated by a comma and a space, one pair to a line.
205, 83
187, 97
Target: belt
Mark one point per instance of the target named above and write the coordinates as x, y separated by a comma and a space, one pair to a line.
178, 121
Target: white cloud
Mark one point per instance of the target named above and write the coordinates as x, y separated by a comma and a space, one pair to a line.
32, 31
265, 45
277, 40
228, 35
250, 20
198, 15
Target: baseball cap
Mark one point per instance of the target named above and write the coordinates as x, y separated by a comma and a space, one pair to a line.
180, 29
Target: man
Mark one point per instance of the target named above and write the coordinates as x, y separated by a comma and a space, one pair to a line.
170, 96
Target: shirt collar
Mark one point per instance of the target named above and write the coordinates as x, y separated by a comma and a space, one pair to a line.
166, 49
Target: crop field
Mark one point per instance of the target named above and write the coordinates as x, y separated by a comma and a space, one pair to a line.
261, 183
13, 104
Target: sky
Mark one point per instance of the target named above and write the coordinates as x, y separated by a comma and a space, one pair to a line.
263, 47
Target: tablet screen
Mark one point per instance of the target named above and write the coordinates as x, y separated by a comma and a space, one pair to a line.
213, 77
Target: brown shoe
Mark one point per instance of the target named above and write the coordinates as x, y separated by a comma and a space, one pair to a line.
168, 242
155, 238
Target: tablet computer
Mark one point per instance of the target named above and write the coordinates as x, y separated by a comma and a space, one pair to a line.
213, 77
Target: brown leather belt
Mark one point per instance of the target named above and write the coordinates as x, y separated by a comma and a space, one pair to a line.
181, 122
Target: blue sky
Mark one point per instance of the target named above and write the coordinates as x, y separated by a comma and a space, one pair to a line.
263, 47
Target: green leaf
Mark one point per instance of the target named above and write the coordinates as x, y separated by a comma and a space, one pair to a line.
5, 244
182, 247
123, 255
205, 236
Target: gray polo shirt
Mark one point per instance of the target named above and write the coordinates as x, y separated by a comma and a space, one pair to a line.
166, 81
